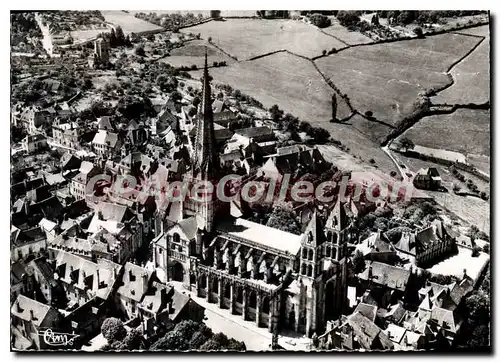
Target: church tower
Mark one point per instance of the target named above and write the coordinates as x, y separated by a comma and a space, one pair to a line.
205, 160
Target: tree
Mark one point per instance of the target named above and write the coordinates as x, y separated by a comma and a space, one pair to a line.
407, 144
320, 20
113, 330
112, 38
276, 113
418, 32
120, 36
215, 14
375, 20
284, 218
139, 51
323, 52
358, 261
348, 18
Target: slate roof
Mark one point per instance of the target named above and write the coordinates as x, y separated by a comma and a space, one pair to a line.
253, 132
105, 138
155, 300
445, 318
24, 306
367, 331
135, 282
368, 310
386, 275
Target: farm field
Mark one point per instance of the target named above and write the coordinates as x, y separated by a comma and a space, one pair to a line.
465, 131
81, 36
345, 35
248, 38
194, 53
483, 30
359, 145
128, 22
386, 78
481, 162
472, 78
286, 80
205, 13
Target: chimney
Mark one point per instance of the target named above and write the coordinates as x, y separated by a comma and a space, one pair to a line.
19, 309
99, 215
32, 315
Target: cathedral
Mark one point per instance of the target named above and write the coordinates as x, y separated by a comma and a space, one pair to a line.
279, 280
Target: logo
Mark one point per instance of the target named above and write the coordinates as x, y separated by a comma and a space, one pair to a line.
57, 339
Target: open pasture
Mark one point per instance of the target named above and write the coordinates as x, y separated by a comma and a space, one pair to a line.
128, 22
386, 78
194, 53
472, 78
248, 38
465, 131
344, 34
286, 80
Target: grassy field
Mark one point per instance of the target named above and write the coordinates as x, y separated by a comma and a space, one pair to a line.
247, 38
472, 78
194, 53
465, 131
347, 36
128, 22
386, 78
478, 31
286, 80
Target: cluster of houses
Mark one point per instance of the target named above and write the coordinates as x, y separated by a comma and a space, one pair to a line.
393, 306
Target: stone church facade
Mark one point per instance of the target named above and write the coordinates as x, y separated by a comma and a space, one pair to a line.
279, 280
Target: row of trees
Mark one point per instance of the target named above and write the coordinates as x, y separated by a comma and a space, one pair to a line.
189, 335
424, 16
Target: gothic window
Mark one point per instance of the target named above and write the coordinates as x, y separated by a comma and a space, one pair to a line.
304, 253
303, 269
252, 300
334, 238
311, 254
334, 253
265, 305
192, 279
203, 281
215, 286
177, 238
328, 252
239, 295
309, 270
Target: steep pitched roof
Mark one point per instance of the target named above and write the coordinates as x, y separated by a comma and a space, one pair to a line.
387, 275
368, 310
30, 310
135, 282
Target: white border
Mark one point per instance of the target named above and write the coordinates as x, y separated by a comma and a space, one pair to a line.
194, 5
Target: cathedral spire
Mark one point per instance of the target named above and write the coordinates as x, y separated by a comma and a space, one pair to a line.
205, 153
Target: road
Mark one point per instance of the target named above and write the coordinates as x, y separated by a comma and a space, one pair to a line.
400, 169
47, 39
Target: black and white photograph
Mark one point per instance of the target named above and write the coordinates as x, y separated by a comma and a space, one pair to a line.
250, 180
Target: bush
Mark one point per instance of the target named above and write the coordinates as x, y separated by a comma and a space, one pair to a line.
323, 52
319, 20
139, 51
369, 114
113, 330
372, 161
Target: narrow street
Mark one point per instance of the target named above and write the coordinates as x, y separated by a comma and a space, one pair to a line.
47, 40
